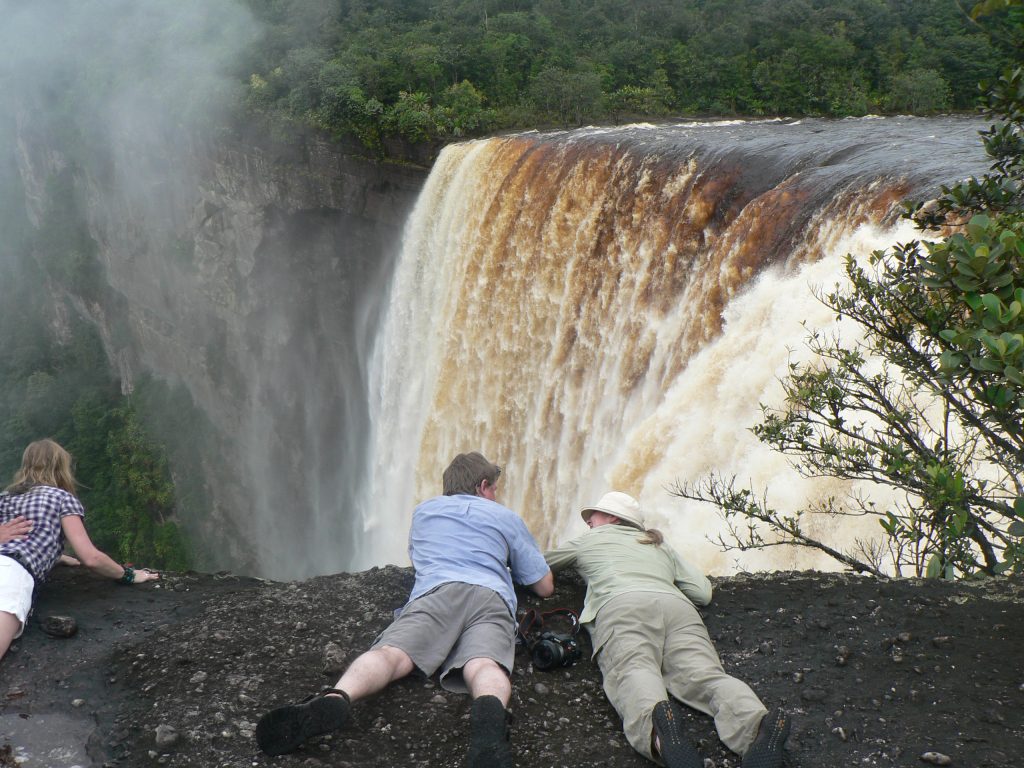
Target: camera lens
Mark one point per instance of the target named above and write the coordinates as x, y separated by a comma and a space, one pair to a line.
547, 654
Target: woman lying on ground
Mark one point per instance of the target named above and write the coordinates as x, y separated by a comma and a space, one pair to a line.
39, 510
650, 641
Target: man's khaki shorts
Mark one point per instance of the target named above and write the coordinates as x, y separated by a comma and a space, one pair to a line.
450, 625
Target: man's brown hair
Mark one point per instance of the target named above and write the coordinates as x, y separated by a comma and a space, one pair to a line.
467, 471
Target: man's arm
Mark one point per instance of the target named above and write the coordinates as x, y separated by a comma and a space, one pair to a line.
15, 530
545, 587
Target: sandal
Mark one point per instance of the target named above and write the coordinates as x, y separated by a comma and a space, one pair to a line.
283, 729
766, 751
675, 749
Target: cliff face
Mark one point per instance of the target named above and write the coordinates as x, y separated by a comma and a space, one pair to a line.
249, 273
178, 672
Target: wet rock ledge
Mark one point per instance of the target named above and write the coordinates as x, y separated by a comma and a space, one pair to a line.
896, 673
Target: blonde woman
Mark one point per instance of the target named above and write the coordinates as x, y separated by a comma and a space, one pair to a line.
650, 641
38, 512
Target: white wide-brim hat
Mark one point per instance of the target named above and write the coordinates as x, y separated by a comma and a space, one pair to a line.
621, 505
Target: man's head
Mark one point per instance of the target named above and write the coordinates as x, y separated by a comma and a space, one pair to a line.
472, 474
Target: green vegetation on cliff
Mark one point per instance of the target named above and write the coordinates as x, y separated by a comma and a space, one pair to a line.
441, 69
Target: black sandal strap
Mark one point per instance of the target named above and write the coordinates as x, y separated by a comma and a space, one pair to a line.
334, 692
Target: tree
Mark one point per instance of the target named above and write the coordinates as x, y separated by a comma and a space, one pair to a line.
930, 401
919, 91
411, 117
567, 97
462, 110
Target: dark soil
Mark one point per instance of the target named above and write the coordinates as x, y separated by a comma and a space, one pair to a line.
874, 673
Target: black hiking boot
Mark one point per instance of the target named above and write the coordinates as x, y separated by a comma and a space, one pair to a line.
283, 729
488, 734
674, 747
766, 751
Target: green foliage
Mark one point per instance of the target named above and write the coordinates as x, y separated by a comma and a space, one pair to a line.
344, 67
127, 488
929, 403
919, 92
565, 97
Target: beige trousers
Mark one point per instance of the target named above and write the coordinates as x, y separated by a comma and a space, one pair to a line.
649, 645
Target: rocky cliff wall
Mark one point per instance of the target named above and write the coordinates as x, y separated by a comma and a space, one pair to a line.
248, 272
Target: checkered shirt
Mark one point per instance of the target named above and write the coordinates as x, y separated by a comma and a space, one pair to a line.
44, 506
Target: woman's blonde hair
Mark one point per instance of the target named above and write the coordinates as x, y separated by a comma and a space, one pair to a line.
44, 462
652, 535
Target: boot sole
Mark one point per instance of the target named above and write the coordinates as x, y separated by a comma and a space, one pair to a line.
283, 729
675, 749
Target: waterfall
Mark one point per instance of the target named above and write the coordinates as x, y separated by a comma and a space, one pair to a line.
606, 308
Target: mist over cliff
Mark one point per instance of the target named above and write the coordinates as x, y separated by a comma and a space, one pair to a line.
236, 268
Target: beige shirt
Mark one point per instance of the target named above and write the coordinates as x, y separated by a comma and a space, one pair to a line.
612, 561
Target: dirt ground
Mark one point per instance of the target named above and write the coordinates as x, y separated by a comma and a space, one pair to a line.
874, 673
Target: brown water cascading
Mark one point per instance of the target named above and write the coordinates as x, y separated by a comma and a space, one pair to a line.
554, 293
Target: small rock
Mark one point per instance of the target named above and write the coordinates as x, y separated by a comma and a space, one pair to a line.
198, 677
798, 677
166, 736
59, 626
76, 703
438, 699
813, 694
942, 641
936, 758
841, 733
541, 689
334, 659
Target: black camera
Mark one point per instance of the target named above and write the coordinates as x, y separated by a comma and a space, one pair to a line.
552, 649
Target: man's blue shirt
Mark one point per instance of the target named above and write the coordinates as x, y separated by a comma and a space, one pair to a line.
475, 541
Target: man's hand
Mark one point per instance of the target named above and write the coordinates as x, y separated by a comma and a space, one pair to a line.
15, 530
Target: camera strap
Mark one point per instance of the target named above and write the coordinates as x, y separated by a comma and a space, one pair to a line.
532, 622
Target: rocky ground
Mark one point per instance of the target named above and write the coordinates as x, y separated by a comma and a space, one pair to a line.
898, 673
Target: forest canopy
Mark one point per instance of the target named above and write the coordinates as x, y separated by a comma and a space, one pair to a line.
442, 69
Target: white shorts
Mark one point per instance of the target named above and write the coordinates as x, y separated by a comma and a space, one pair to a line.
16, 586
